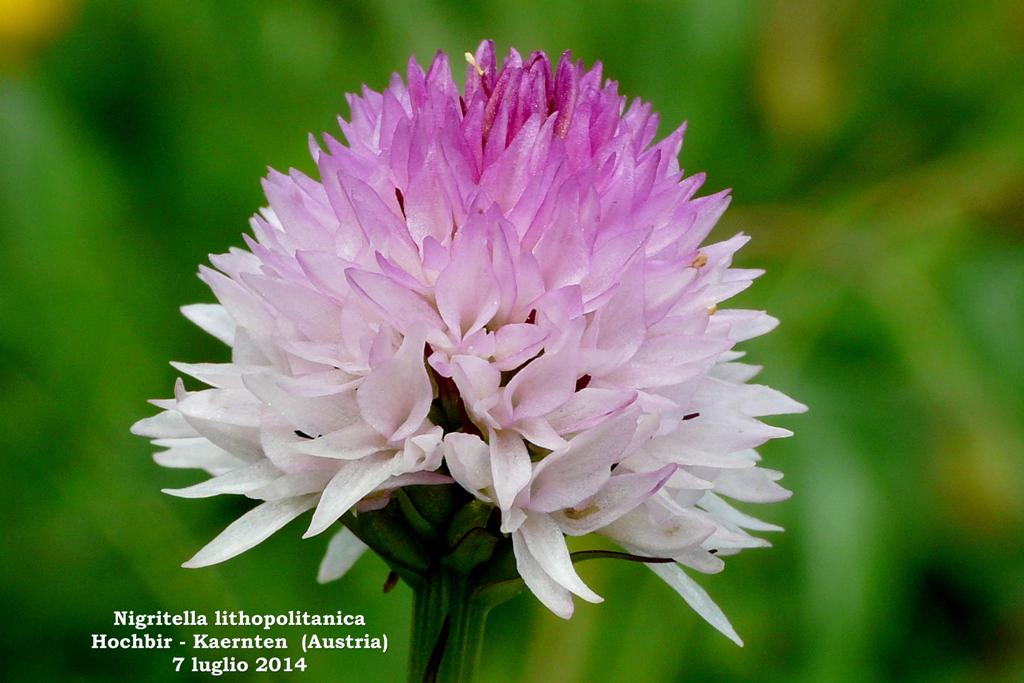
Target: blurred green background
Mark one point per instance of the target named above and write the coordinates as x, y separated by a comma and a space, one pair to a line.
876, 151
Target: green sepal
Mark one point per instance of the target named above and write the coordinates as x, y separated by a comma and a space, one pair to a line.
498, 580
426, 531
387, 532
493, 594
437, 504
475, 548
473, 515
500, 569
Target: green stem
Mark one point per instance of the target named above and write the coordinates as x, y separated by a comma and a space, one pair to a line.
447, 630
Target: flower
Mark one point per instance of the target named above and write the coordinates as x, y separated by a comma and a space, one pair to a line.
501, 290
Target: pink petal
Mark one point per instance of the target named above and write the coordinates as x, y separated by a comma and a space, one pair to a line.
565, 478
619, 495
395, 397
397, 304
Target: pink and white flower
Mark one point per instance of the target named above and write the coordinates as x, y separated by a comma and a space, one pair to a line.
501, 289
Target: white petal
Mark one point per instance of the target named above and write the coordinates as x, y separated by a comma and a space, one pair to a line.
245, 307
354, 480
422, 452
413, 479
478, 382
517, 343
252, 528
724, 430
311, 414
291, 485
696, 597
195, 453
754, 485
547, 545
727, 513
240, 480
169, 424
733, 539
213, 319
683, 529
510, 466
351, 443
469, 462
538, 431
701, 559
227, 417
735, 372
744, 324
762, 400
220, 375
754, 400
553, 596
342, 552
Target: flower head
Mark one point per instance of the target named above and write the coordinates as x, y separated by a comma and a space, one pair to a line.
500, 290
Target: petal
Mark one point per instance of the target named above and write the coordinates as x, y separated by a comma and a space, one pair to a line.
620, 322
588, 407
478, 382
252, 528
291, 485
537, 431
218, 375
734, 372
696, 597
510, 466
727, 513
754, 400
195, 453
422, 452
517, 343
395, 397
547, 545
468, 459
568, 477
350, 443
170, 424
467, 292
354, 480
342, 552
239, 480
310, 414
683, 529
754, 485
316, 316
227, 417
213, 319
244, 307
547, 590
399, 305
542, 385
621, 494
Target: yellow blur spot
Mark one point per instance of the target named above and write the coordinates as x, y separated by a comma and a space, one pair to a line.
25, 24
